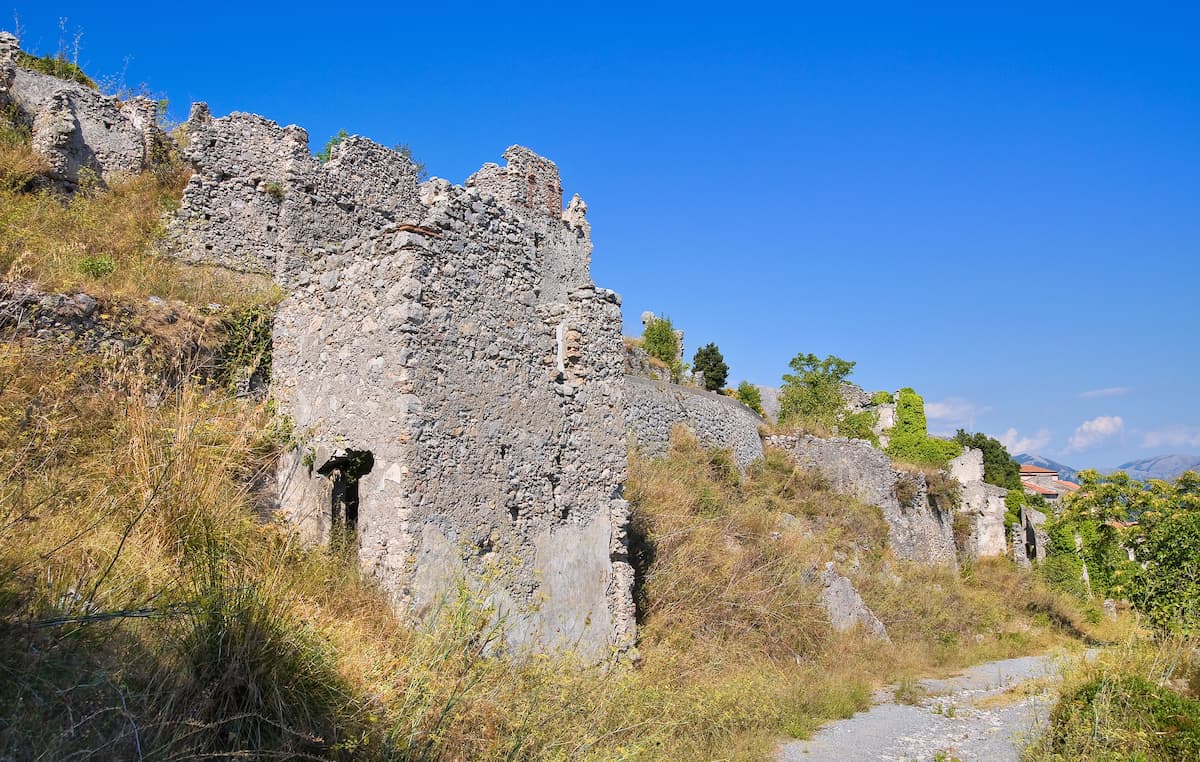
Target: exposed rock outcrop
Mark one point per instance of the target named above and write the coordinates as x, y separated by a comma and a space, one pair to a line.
75, 128
916, 531
845, 606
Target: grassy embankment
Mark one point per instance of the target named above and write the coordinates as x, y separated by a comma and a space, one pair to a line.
146, 612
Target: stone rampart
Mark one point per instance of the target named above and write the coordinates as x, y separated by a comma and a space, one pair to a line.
653, 408
916, 530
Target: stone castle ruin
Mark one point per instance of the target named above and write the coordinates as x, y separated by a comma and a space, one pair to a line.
457, 382
456, 376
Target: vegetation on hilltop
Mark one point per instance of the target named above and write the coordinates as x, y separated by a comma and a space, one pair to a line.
910, 440
749, 395
811, 399
709, 361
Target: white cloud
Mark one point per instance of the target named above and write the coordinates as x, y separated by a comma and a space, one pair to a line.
1172, 436
1095, 431
1015, 443
1112, 391
954, 412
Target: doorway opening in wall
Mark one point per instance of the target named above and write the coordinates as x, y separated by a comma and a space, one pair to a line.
345, 471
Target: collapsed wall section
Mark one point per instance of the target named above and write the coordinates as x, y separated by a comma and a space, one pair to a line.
917, 531
982, 503
260, 202
488, 390
75, 128
653, 408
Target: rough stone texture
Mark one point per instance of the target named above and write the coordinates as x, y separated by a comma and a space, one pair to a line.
1019, 552
76, 129
845, 606
1037, 540
770, 402
472, 356
637, 363
884, 423
983, 502
260, 202
653, 408
856, 399
916, 531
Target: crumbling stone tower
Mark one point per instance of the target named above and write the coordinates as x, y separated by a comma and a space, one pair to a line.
454, 375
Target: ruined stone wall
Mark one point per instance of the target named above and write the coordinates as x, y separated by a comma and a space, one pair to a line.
983, 503
489, 392
916, 531
653, 408
76, 129
260, 202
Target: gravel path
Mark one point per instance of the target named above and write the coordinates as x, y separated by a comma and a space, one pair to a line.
986, 713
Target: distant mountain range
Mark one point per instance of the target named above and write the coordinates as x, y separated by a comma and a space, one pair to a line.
1066, 473
1165, 467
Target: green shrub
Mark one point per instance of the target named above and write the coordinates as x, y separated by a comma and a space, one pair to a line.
55, 66
275, 190
327, 152
858, 426
660, 342
97, 266
813, 393
910, 441
748, 395
709, 361
1123, 717
882, 398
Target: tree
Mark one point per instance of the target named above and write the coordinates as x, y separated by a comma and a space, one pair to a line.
998, 466
813, 393
708, 360
748, 395
659, 340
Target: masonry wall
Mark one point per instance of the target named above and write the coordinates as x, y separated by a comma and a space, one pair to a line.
653, 408
76, 129
917, 531
983, 503
488, 388
260, 202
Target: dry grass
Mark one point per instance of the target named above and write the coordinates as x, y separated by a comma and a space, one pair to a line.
103, 241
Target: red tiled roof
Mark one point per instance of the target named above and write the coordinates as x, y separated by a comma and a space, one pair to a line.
1068, 486
1027, 468
1039, 490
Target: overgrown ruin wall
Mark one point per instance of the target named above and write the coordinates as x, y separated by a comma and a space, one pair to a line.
75, 128
653, 408
465, 348
983, 503
917, 531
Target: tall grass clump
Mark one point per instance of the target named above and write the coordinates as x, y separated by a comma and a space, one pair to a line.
1140, 701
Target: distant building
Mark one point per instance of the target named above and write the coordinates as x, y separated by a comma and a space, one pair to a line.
1045, 482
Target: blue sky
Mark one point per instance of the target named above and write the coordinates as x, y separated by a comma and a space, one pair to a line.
999, 207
